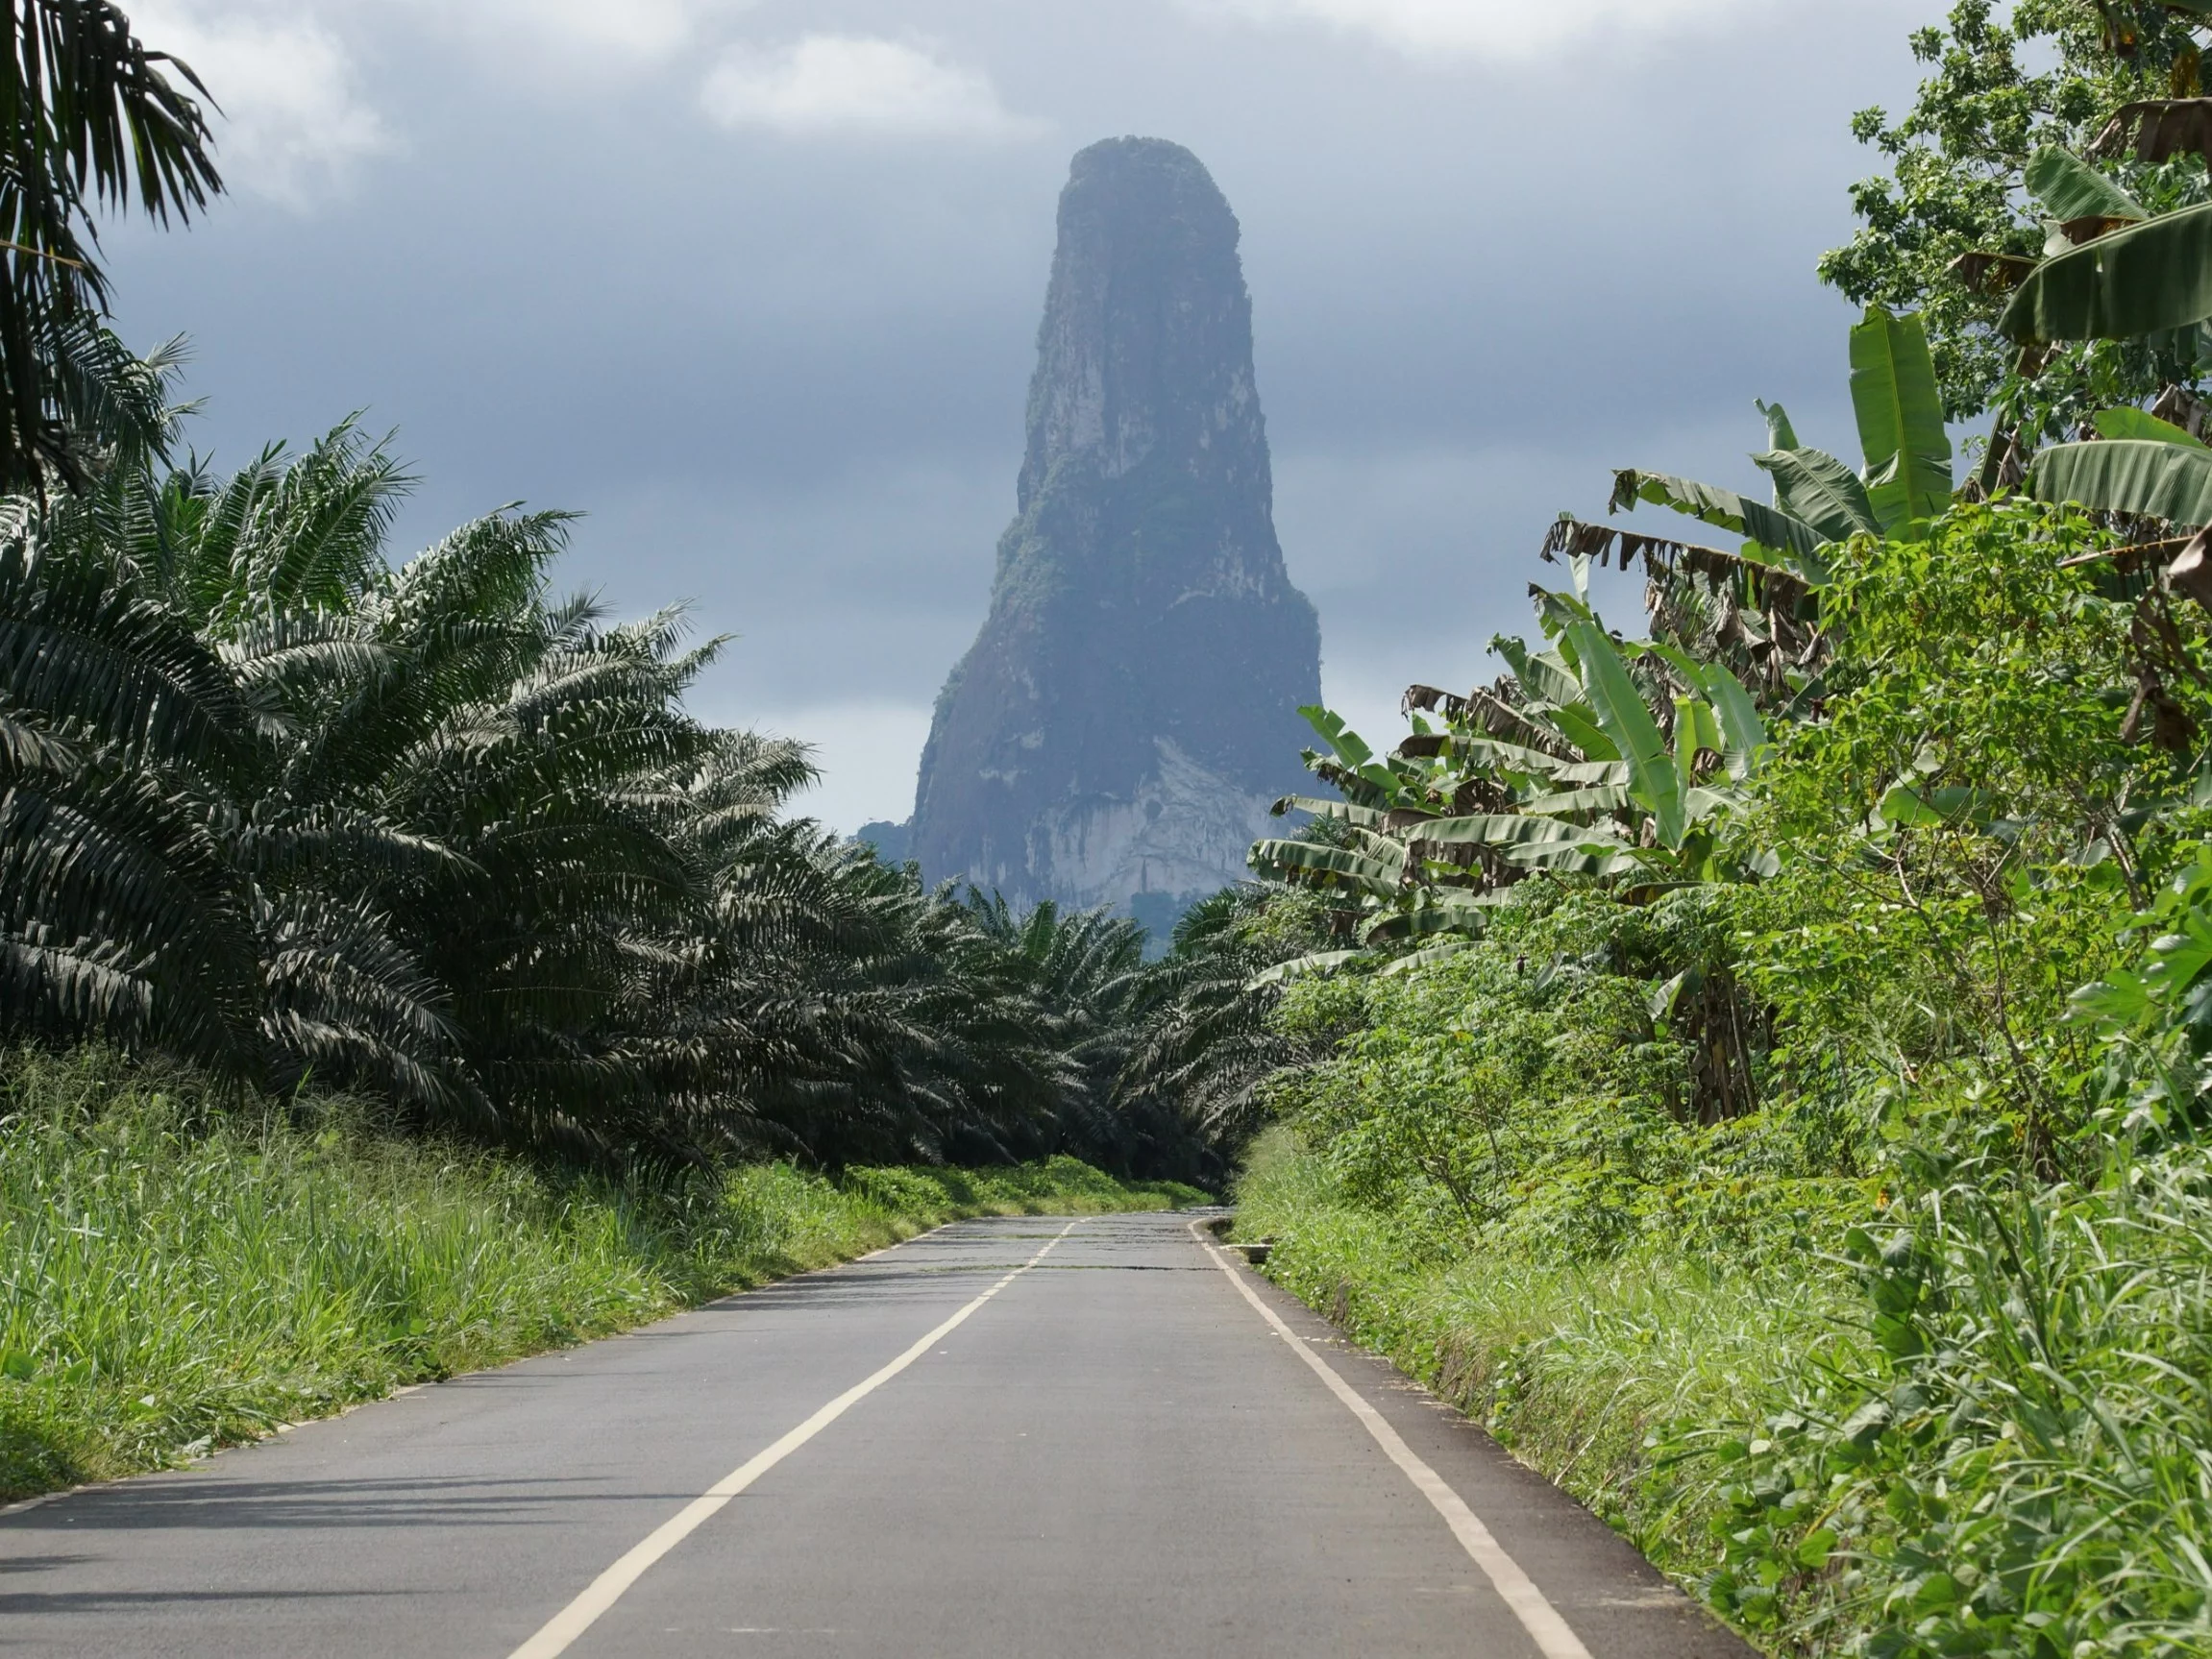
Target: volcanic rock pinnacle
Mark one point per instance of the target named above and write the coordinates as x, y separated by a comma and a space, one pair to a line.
1117, 730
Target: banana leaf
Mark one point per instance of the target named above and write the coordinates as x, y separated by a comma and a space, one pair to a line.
1741, 728
1428, 957
1328, 808
1436, 910
2159, 128
2152, 276
1491, 714
1515, 829
1579, 725
1599, 799
1576, 860
1780, 433
1556, 612
2070, 188
1695, 730
2133, 423
1514, 758
2149, 479
1652, 770
1299, 968
1703, 804
1382, 876
1723, 509
1590, 773
1693, 727
1987, 273
1900, 412
1352, 750
1542, 675
1350, 747
1814, 486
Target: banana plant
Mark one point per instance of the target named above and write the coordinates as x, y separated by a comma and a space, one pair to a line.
1818, 499
1425, 841
2112, 270
2115, 271
2139, 465
1755, 607
1608, 759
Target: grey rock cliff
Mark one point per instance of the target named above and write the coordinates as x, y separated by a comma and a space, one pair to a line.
1117, 730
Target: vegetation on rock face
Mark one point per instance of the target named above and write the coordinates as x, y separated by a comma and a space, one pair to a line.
1115, 731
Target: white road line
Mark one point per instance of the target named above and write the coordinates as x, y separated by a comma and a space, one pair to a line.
605, 1591
1514, 1587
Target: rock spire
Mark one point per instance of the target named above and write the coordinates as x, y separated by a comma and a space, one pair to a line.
1118, 728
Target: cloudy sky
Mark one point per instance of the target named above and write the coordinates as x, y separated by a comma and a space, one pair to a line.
754, 285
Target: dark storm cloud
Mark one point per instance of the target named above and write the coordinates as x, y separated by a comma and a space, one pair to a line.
768, 316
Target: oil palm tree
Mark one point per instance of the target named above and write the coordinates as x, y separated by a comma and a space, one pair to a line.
89, 117
279, 806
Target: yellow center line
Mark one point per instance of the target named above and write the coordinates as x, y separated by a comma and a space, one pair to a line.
603, 1592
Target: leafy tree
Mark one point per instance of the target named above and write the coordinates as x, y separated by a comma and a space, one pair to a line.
1958, 184
1207, 1044
88, 116
276, 806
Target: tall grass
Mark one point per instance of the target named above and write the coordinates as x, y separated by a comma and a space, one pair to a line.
174, 1276
1573, 1365
1990, 1434
2024, 1466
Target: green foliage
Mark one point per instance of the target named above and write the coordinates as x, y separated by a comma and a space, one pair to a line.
2000, 93
1595, 757
2015, 1467
1724, 509
1900, 412
1525, 1095
1961, 831
2151, 476
1921, 1026
89, 115
1205, 1040
2145, 279
175, 1273
277, 808
1984, 1172
2068, 188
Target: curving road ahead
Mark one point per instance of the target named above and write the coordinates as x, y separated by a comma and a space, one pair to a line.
1003, 1437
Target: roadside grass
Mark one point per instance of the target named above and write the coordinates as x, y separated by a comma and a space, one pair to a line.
1984, 1434
174, 1276
1572, 1366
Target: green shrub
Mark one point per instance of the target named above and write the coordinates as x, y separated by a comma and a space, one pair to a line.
1916, 1360
1520, 1097
2019, 1467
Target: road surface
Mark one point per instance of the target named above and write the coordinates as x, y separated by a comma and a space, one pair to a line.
1012, 1437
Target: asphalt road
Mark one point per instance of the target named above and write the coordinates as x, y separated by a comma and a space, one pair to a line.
1114, 1453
